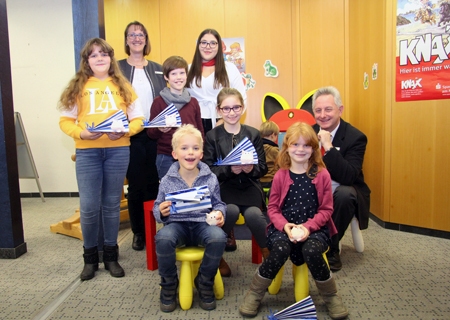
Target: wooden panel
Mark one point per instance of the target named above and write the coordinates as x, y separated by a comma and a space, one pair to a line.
322, 45
366, 109
420, 177
266, 27
183, 20
118, 13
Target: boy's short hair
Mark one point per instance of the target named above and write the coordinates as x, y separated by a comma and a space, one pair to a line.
184, 130
267, 128
172, 63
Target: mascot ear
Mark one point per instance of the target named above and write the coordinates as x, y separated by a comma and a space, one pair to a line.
306, 102
271, 104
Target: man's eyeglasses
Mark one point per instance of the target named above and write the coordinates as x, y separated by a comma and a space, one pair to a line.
226, 110
140, 36
212, 44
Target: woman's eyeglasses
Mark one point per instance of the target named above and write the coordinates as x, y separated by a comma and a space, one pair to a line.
212, 44
140, 36
226, 110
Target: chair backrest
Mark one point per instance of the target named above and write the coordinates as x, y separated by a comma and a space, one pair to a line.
275, 108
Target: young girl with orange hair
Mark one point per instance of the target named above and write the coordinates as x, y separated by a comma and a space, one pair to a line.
300, 208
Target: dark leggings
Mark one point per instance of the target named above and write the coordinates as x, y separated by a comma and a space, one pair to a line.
311, 252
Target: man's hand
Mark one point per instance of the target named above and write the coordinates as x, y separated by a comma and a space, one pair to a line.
325, 139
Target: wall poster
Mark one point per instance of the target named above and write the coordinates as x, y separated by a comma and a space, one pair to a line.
423, 47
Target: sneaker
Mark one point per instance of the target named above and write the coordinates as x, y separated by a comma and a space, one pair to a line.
168, 295
205, 292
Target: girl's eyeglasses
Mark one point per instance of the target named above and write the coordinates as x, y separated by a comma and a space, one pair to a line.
226, 110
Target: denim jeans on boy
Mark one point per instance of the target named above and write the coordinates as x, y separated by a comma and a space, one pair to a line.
100, 176
178, 234
163, 163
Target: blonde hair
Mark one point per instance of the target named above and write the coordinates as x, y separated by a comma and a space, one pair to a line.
75, 87
268, 128
293, 133
184, 130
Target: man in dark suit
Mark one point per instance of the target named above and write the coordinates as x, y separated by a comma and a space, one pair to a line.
343, 153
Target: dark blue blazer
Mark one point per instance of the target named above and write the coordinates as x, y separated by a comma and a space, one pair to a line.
345, 161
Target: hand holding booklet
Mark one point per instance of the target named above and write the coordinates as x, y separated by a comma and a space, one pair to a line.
186, 200
243, 153
169, 117
118, 122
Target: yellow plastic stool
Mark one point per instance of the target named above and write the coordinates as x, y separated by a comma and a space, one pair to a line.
240, 221
190, 258
266, 191
301, 282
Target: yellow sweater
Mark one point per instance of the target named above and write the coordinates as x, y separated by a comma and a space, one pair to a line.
99, 100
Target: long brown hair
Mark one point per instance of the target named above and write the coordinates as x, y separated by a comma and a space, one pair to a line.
293, 133
220, 72
75, 87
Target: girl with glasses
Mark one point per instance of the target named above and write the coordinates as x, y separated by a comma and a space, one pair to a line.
209, 73
240, 188
147, 80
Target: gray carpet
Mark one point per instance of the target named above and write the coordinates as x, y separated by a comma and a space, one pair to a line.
399, 276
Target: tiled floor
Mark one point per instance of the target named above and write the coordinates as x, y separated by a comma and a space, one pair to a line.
399, 276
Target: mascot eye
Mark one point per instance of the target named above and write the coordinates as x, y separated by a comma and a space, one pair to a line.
290, 115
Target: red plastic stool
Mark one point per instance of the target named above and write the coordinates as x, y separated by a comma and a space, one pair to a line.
150, 232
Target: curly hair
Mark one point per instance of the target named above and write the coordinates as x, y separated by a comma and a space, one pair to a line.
75, 87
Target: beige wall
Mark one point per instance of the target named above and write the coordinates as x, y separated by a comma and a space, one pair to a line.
268, 27
316, 43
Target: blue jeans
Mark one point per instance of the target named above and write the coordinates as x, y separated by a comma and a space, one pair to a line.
178, 234
163, 163
100, 176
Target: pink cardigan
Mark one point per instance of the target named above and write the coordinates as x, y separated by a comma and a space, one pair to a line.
278, 191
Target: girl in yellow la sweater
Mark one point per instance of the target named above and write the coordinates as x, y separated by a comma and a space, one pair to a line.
98, 91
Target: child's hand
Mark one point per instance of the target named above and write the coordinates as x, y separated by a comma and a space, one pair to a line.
115, 135
219, 218
247, 168
236, 169
288, 228
164, 129
87, 135
164, 208
305, 233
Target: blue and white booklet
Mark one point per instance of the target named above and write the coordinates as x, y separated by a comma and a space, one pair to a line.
118, 122
169, 117
243, 153
301, 310
187, 200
